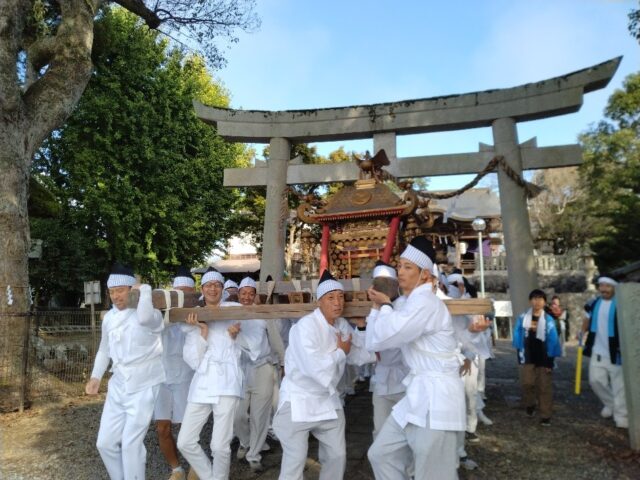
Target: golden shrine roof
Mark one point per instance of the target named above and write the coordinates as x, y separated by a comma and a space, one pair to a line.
365, 198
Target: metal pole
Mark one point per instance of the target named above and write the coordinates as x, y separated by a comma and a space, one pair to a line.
93, 327
481, 255
24, 370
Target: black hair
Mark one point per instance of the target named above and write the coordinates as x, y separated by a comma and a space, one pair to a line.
471, 290
537, 293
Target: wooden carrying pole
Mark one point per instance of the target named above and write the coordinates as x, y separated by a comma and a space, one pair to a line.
354, 309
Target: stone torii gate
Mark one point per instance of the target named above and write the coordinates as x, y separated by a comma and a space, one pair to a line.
499, 109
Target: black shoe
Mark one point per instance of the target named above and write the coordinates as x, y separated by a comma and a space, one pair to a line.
471, 437
545, 422
530, 411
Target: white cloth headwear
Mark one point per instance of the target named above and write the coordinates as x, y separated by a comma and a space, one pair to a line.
328, 286
421, 259
248, 282
183, 282
211, 276
120, 280
607, 281
230, 284
384, 271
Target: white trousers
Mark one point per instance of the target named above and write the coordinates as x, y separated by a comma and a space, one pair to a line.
294, 438
195, 417
607, 382
460, 446
434, 452
471, 397
482, 364
254, 412
382, 406
123, 426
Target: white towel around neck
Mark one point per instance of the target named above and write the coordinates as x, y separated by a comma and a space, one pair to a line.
541, 331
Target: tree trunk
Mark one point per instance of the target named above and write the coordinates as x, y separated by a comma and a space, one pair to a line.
28, 114
15, 160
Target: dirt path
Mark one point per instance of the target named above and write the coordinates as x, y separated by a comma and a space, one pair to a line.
58, 441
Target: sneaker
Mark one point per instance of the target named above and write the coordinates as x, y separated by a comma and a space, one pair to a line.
484, 419
471, 437
192, 475
241, 453
606, 412
545, 422
256, 466
468, 464
622, 423
178, 475
530, 411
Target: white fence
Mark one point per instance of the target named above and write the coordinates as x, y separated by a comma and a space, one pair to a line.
544, 263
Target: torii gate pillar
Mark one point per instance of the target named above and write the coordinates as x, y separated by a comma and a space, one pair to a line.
276, 212
515, 217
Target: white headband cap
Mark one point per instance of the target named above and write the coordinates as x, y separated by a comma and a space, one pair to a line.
248, 282
183, 282
120, 280
212, 276
607, 281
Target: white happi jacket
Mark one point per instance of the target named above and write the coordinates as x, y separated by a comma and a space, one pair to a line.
176, 369
314, 366
474, 344
216, 361
260, 342
391, 369
421, 327
131, 339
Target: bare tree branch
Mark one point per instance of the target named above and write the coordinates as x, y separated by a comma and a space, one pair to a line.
139, 8
197, 22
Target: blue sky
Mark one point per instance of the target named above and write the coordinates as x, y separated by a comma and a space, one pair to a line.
333, 53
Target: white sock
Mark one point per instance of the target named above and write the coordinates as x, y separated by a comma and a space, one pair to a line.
178, 469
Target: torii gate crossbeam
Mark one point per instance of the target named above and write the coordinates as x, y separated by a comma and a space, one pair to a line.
499, 109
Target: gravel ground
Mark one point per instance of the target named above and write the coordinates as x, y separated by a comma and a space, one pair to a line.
58, 440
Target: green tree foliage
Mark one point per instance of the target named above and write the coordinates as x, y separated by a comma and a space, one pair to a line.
611, 177
138, 175
253, 198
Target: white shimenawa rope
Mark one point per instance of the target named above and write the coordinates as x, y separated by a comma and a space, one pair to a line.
314, 288
167, 306
167, 303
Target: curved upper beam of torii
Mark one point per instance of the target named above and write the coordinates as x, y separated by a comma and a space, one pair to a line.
532, 101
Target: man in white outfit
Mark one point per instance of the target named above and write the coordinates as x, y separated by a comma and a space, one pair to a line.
470, 332
319, 344
422, 426
172, 398
211, 350
259, 340
230, 291
603, 346
390, 369
131, 339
